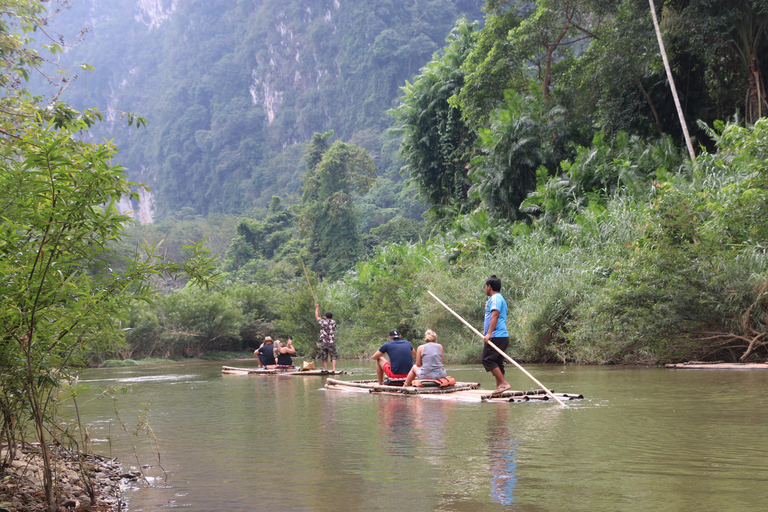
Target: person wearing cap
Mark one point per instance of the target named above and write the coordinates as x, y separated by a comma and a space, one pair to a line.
327, 344
496, 332
266, 353
401, 354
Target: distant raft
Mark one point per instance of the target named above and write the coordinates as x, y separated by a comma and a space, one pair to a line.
460, 391
279, 370
717, 365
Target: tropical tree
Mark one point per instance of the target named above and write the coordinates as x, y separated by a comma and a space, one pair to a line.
330, 218
624, 166
616, 82
60, 299
524, 40
391, 277
728, 36
523, 135
261, 239
437, 144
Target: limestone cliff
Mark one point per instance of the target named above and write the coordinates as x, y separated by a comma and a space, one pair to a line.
153, 13
229, 88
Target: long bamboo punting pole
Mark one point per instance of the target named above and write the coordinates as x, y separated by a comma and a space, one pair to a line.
310, 285
497, 349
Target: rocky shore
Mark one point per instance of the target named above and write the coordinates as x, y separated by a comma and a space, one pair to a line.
82, 482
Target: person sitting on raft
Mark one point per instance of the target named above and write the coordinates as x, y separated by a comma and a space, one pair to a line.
283, 351
266, 353
401, 356
429, 360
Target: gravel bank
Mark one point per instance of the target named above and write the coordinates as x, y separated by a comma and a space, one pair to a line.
21, 489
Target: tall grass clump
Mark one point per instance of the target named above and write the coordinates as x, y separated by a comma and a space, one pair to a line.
695, 286
545, 281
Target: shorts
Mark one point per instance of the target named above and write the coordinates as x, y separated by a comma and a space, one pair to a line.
433, 375
492, 359
326, 350
388, 372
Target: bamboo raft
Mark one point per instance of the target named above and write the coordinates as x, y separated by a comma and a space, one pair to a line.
461, 391
717, 365
233, 370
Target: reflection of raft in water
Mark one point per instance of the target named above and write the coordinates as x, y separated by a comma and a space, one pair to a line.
461, 391
287, 370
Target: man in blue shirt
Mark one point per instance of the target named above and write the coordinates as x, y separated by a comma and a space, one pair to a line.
495, 332
401, 354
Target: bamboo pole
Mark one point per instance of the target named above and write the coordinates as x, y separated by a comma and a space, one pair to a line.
542, 386
310, 285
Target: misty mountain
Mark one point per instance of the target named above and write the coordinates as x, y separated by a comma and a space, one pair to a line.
232, 89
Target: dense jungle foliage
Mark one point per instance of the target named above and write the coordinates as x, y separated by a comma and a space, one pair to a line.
546, 147
61, 301
542, 140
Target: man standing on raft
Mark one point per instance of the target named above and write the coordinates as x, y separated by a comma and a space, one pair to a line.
495, 331
327, 343
401, 356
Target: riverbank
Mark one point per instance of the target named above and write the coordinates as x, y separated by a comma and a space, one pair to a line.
465, 354
212, 356
75, 474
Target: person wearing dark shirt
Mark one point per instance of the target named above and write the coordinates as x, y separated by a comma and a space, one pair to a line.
283, 352
401, 354
266, 353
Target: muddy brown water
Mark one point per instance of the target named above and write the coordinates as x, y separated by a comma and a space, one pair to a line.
643, 439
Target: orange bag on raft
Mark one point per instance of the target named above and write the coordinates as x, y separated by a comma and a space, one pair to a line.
435, 383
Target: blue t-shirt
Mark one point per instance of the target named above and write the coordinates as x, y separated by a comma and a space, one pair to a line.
496, 303
400, 355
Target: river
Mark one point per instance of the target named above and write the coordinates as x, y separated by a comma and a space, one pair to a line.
643, 439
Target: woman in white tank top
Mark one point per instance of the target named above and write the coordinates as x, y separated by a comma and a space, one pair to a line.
429, 360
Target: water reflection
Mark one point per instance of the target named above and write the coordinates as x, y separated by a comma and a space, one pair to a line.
502, 453
431, 418
631, 446
397, 420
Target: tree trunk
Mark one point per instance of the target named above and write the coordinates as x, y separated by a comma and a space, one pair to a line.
755, 94
680, 115
548, 62
38, 417
650, 104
